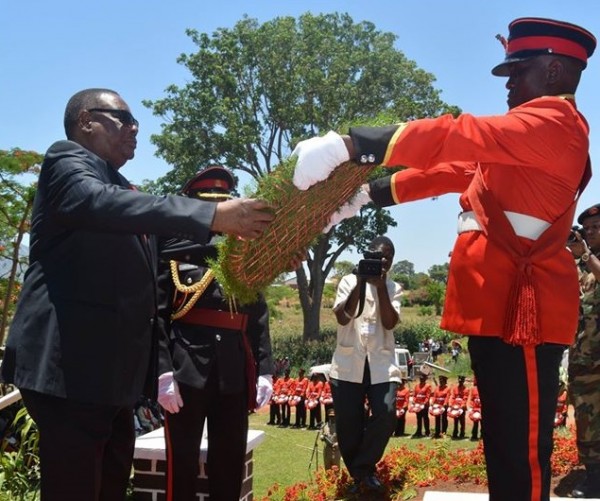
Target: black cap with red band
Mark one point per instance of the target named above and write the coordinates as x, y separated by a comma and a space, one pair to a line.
213, 179
533, 36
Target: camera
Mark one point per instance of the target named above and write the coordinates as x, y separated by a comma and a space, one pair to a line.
572, 238
371, 265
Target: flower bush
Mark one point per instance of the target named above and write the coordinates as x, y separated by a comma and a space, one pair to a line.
403, 470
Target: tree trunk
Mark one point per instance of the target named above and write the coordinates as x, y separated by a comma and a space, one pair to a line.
13, 273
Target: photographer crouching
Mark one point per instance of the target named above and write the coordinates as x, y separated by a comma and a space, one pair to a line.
584, 359
367, 308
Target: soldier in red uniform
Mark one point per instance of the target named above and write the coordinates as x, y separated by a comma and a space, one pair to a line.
313, 403
274, 411
439, 405
286, 387
420, 405
299, 399
326, 397
512, 287
402, 398
457, 406
474, 410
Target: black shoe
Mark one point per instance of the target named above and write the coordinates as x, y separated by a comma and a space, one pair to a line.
354, 488
372, 484
417, 435
590, 487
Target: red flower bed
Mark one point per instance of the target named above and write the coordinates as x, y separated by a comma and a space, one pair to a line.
403, 470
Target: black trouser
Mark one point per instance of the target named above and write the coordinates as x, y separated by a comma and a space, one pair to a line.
284, 410
518, 387
301, 413
315, 419
274, 414
400, 425
423, 420
475, 430
362, 441
86, 449
227, 423
459, 424
441, 422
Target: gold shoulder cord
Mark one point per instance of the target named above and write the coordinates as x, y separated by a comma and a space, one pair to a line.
197, 289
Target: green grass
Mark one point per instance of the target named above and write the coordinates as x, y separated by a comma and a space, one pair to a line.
284, 457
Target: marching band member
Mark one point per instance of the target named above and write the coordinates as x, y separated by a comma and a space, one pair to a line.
283, 397
457, 405
439, 405
420, 405
326, 397
474, 409
299, 399
313, 394
402, 398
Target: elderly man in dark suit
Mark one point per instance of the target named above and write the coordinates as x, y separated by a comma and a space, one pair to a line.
82, 344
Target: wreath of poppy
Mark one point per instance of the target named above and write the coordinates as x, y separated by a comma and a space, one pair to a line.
245, 268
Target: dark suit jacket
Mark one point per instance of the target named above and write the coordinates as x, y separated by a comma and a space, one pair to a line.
193, 352
83, 328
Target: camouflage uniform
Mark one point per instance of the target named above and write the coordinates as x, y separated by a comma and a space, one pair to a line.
584, 370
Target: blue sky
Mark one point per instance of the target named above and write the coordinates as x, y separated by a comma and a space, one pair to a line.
51, 49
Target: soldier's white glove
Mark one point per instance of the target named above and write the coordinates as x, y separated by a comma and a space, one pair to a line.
264, 390
317, 158
349, 209
168, 393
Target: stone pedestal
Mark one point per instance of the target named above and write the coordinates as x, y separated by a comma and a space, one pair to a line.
150, 465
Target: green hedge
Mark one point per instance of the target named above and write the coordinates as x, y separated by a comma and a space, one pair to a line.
306, 354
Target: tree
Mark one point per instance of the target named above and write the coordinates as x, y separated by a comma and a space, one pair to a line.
403, 272
257, 89
16, 201
343, 268
439, 272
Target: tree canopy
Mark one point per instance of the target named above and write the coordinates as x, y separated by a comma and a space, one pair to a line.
257, 89
16, 201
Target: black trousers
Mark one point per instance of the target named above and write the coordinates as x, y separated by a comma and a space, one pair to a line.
423, 421
227, 424
363, 440
458, 431
301, 413
86, 449
441, 422
518, 387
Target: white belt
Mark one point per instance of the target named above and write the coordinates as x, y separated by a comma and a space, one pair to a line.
524, 225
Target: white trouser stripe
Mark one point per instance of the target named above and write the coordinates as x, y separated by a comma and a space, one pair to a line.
524, 225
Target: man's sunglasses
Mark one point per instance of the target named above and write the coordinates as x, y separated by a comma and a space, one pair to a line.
123, 116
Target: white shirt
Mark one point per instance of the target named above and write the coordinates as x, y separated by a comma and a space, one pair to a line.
365, 337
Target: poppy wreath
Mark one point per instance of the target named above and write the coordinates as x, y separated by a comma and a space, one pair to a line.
244, 268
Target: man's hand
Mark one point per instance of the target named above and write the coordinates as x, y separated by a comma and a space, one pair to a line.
264, 390
317, 158
245, 217
168, 393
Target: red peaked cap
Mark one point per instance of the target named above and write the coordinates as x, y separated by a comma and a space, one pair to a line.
534, 36
213, 179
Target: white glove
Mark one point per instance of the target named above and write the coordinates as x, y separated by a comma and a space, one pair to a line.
264, 390
168, 393
349, 209
317, 158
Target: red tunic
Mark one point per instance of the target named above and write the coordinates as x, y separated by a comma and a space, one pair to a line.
532, 159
